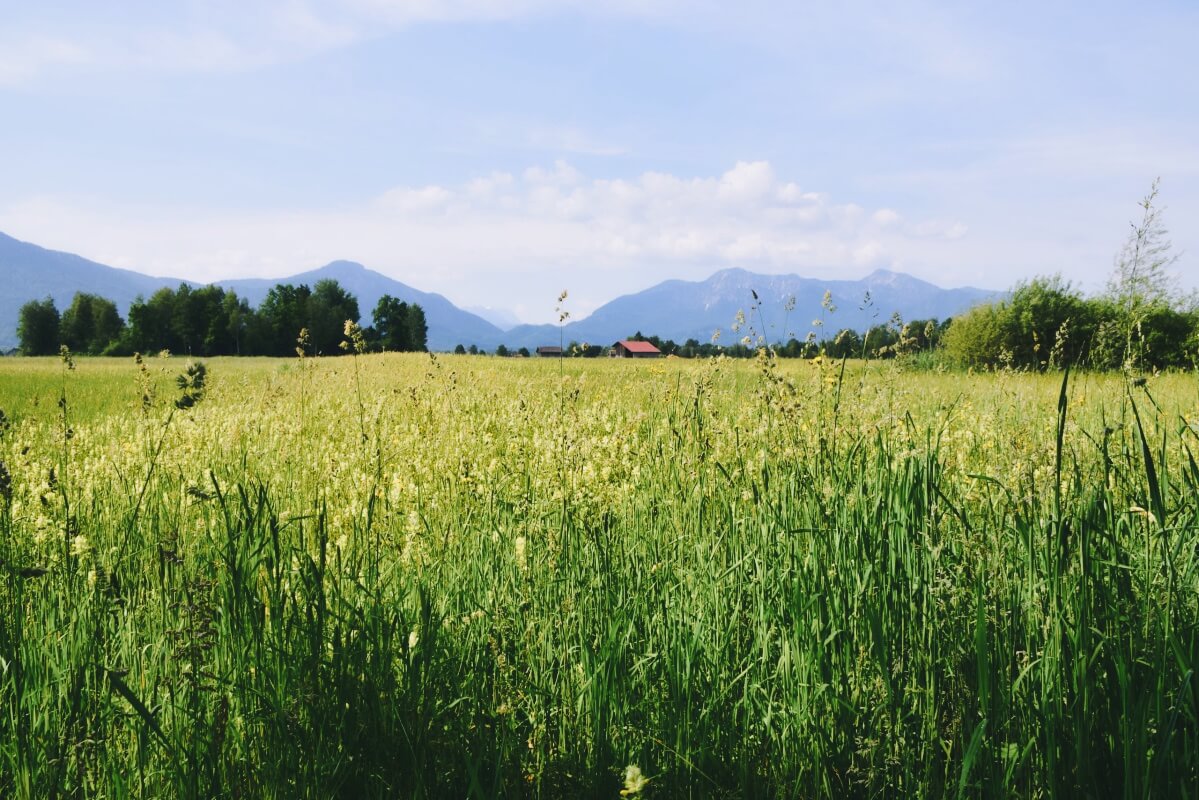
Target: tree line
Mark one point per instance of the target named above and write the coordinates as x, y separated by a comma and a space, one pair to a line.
1141, 320
212, 321
1044, 323
880, 341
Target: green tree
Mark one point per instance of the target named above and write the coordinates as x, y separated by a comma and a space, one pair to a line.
978, 337
1164, 336
37, 327
919, 335
1044, 323
418, 329
151, 325
237, 318
284, 313
1047, 323
90, 324
1140, 285
329, 306
188, 321
846, 344
880, 341
200, 322
401, 326
391, 321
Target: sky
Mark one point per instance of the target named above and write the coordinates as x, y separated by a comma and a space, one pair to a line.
500, 151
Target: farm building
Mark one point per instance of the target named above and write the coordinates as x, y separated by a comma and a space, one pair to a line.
626, 348
552, 351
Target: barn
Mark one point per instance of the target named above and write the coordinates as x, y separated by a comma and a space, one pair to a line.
550, 351
627, 348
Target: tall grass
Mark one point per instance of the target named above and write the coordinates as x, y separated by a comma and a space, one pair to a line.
474, 578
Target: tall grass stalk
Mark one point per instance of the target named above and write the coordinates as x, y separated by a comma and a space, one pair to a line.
808, 580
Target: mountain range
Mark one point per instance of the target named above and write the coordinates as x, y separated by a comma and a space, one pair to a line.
29, 272
681, 310
673, 309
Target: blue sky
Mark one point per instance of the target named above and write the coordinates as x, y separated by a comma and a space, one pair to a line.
498, 151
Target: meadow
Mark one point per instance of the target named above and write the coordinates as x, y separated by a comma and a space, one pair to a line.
406, 575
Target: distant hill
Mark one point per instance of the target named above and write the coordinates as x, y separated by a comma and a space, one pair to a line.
29, 272
502, 318
682, 310
448, 324
674, 309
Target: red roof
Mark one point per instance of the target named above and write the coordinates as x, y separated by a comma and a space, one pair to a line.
638, 347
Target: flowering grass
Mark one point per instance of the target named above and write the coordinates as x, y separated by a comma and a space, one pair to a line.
408, 576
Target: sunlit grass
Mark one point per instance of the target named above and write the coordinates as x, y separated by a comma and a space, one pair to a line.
457, 576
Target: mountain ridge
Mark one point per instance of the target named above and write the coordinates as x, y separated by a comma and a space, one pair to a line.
679, 309
447, 323
32, 272
676, 308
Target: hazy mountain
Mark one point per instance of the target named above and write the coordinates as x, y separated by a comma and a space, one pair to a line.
502, 318
29, 272
448, 324
682, 310
674, 309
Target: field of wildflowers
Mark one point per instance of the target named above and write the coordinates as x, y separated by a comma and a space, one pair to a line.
452, 576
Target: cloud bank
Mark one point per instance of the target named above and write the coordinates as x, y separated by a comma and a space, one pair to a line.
501, 238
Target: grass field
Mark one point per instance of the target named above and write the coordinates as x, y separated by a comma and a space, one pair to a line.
406, 576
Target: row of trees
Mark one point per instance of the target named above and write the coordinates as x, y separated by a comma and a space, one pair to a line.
210, 321
881, 341
1142, 320
1043, 323
1047, 323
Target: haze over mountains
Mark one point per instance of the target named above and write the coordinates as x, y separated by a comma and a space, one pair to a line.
29, 272
674, 309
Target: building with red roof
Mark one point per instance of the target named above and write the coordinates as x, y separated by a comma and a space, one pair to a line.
627, 348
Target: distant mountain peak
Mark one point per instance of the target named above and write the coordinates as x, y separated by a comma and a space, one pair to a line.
343, 267
887, 277
681, 309
674, 309
32, 272
730, 273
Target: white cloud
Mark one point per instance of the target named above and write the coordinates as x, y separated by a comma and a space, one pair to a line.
407, 201
494, 239
562, 174
886, 216
869, 254
748, 182
489, 186
938, 229
22, 60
